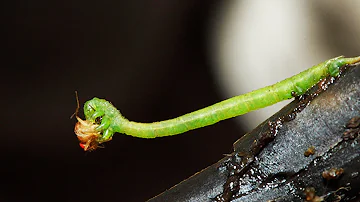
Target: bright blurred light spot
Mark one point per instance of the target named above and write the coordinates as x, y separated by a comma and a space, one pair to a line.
258, 43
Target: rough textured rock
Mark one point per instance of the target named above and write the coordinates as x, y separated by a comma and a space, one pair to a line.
312, 153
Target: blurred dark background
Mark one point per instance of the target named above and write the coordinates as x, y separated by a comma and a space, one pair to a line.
147, 57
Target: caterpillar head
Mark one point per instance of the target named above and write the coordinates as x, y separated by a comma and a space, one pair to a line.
95, 129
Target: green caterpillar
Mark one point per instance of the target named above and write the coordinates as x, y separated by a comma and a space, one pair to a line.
103, 119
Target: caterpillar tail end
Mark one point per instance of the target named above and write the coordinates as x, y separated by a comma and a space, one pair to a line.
340, 61
356, 60
351, 61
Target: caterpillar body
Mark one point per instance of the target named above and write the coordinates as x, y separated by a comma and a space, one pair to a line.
103, 119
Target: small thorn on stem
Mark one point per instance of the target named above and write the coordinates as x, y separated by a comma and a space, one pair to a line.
77, 107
